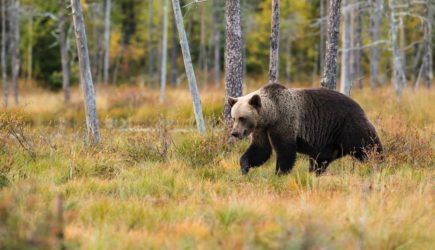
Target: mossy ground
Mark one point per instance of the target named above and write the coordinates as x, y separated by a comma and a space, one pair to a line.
169, 188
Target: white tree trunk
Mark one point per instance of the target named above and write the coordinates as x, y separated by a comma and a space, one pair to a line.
189, 67
375, 34
107, 21
164, 52
15, 47
346, 62
150, 44
3, 56
274, 44
85, 73
30, 51
399, 77
330, 67
64, 52
427, 65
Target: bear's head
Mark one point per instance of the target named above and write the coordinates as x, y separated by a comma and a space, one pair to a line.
245, 113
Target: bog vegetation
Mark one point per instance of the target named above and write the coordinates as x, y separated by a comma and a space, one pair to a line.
166, 186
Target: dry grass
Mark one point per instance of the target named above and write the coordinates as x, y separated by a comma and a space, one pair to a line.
161, 189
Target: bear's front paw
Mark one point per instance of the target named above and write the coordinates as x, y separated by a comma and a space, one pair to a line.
244, 170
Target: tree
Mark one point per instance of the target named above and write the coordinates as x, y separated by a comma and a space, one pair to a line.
330, 67
189, 67
85, 73
426, 70
150, 44
107, 22
346, 53
375, 35
399, 77
64, 53
3, 56
357, 43
233, 56
174, 54
164, 52
274, 44
15, 46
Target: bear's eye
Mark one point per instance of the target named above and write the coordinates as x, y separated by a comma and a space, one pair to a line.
242, 119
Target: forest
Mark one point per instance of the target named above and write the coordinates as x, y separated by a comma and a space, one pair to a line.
115, 124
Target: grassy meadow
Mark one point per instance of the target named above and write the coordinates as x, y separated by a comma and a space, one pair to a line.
154, 183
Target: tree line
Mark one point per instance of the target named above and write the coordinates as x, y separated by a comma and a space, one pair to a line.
377, 37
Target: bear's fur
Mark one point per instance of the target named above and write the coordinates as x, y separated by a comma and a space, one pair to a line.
321, 123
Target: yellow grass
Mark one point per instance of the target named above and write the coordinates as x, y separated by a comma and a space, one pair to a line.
131, 193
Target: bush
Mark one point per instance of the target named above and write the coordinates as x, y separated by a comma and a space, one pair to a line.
202, 150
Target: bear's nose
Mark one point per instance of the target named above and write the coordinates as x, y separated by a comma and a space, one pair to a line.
235, 134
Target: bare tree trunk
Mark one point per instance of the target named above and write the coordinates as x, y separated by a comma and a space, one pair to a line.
85, 74
164, 52
346, 53
15, 48
375, 34
399, 77
107, 21
330, 67
174, 56
30, 51
3, 56
64, 52
427, 58
323, 31
274, 44
189, 67
233, 55
216, 43
356, 44
150, 44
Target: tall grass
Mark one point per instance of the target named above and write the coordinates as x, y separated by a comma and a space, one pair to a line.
169, 188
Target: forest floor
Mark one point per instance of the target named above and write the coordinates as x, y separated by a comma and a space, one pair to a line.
168, 187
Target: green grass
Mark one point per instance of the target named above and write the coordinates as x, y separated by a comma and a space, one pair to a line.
165, 189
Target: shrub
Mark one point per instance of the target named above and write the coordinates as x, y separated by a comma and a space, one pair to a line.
202, 150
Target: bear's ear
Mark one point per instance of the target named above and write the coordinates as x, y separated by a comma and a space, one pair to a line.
255, 101
232, 101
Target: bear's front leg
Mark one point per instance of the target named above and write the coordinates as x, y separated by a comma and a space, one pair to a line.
258, 152
285, 153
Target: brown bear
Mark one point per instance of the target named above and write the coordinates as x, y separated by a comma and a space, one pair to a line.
320, 123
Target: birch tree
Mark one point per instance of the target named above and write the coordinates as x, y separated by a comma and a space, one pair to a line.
399, 77
346, 52
150, 44
174, 54
15, 46
233, 55
3, 56
189, 67
64, 52
274, 44
375, 35
85, 73
107, 22
164, 52
357, 43
427, 63
330, 67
